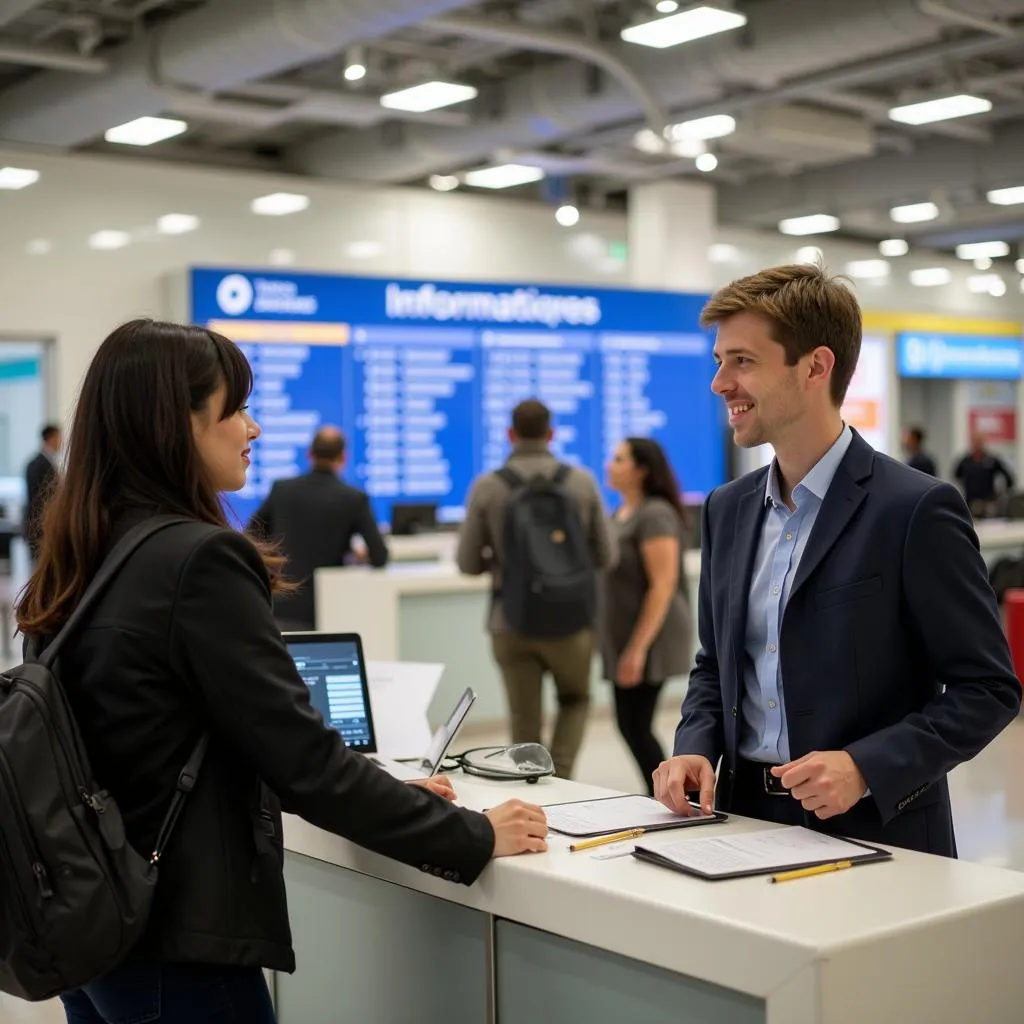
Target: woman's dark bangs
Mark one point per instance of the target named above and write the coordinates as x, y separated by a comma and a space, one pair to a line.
237, 373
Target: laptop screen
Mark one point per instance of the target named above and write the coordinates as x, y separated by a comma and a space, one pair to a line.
332, 667
446, 733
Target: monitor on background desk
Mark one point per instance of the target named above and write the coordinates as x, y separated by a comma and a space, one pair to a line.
407, 520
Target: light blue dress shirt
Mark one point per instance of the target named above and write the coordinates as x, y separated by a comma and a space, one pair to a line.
784, 538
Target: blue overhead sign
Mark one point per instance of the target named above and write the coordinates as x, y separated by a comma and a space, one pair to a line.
956, 356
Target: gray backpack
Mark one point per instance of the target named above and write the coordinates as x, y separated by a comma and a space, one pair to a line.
74, 895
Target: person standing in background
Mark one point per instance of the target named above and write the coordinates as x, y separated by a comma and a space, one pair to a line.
976, 473
644, 632
917, 457
40, 476
313, 519
523, 656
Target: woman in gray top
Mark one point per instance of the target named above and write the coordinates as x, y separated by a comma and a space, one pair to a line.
644, 629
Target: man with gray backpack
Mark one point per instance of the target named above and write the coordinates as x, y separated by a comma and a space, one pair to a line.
538, 527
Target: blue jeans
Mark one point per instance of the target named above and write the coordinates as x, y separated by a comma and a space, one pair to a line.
173, 994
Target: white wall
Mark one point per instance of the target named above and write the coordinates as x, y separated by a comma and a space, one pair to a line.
76, 295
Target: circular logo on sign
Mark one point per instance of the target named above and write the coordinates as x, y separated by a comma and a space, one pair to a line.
234, 294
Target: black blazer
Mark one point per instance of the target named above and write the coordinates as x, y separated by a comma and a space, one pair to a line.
184, 642
39, 477
313, 519
890, 604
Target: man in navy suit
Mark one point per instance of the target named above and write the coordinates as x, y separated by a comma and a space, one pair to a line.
851, 650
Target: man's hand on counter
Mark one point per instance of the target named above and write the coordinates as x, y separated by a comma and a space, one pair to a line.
826, 783
683, 774
518, 828
439, 784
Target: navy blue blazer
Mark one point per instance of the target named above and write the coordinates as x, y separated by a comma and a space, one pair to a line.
892, 644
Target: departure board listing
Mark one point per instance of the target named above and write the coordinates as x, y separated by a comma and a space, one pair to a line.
423, 375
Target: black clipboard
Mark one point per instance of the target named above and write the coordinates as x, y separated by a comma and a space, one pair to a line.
871, 855
717, 816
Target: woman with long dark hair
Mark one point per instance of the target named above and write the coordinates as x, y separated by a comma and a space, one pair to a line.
645, 620
183, 644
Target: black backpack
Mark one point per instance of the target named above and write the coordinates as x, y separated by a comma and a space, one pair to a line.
548, 583
74, 895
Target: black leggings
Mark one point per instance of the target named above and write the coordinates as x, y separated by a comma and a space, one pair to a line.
634, 712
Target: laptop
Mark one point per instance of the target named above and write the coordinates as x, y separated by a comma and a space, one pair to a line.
333, 668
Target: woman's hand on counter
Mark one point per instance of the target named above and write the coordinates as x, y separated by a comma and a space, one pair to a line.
518, 828
439, 784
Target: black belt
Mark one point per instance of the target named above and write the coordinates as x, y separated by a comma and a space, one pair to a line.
758, 775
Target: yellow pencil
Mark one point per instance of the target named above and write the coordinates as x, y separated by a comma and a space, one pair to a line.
821, 869
587, 844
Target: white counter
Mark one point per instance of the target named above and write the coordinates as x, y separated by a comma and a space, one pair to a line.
918, 938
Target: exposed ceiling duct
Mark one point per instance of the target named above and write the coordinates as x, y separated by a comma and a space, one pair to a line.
214, 48
869, 188
784, 39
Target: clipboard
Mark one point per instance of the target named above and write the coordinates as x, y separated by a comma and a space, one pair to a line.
870, 855
627, 823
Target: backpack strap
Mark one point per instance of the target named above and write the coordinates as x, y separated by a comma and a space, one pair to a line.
186, 783
510, 478
112, 564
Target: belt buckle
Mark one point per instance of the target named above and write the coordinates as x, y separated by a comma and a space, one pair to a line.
772, 785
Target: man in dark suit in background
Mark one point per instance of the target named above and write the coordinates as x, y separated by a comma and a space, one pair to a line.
40, 476
851, 651
314, 518
917, 457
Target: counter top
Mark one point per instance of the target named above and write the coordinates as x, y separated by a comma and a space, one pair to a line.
683, 924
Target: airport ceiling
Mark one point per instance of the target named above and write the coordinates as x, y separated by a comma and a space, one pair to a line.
809, 84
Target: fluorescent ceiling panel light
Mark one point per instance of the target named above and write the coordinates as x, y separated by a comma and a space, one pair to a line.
278, 204
443, 182
930, 277
986, 284
813, 224
17, 177
177, 223
145, 131
429, 96
914, 213
868, 270
893, 247
1007, 196
503, 176
109, 239
715, 127
979, 250
707, 162
684, 27
943, 109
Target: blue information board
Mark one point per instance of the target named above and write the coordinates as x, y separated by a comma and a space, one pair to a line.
422, 376
959, 356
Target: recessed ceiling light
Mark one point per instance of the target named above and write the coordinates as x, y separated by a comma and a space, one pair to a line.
868, 270
667, 6
893, 247
813, 224
177, 223
930, 277
145, 131
282, 257
684, 27
429, 96
1007, 196
567, 215
716, 126
914, 213
983, 263
17, 177
355, 72
1020, 266
722, 252
707, 162
443, 182
978, 250
943, 109
278, 204
39, 247
986, 284
503, 176
109, 239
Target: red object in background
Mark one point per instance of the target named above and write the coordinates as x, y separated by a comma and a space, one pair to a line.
1013, 619
993, 424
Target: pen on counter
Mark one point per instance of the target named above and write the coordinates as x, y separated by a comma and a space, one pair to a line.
615, 837
821, 869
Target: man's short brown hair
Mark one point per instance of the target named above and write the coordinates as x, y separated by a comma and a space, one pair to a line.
531, 420
804, 307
